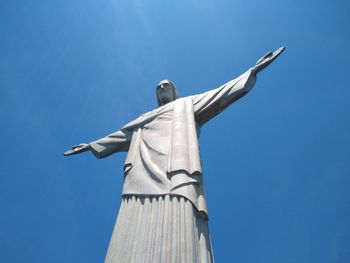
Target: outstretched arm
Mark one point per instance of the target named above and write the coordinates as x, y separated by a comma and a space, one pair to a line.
209, 104
116, 142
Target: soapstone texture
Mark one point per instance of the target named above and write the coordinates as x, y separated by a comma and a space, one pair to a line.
163, 215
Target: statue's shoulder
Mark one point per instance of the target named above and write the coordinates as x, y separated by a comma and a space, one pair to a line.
147, 116
149, 113
143, 118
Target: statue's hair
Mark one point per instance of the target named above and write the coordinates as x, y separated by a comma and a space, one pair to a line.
175, 93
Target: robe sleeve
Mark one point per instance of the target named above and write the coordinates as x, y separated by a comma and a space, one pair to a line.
118, 141
209, 104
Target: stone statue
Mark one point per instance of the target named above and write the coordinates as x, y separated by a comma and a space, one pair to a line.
163, 216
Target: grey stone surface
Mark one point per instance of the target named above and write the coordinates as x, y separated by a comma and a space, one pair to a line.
159, 229
163, 152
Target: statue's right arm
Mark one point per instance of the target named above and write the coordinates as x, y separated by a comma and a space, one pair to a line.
118, 141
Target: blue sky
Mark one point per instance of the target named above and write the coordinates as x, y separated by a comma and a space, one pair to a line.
276, 163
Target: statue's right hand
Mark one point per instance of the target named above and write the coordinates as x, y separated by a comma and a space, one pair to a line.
83, 147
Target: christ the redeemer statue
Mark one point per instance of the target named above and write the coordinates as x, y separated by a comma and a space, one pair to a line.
163, 216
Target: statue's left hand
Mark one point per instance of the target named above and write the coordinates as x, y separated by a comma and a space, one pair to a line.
267, 60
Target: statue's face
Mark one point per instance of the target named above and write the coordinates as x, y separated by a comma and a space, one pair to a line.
165, 92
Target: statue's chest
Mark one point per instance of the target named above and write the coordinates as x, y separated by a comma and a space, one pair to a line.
157, 133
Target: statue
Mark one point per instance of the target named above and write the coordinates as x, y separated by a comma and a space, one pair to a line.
163, 216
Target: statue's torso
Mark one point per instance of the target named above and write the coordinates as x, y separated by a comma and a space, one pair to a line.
149, 172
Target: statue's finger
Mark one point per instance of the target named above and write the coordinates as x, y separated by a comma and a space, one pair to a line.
69, 152
279, 51
282, 49
276, 54
268, 54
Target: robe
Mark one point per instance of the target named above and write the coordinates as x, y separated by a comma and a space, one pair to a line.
163, 151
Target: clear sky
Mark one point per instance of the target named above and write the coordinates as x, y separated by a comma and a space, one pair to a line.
276, 163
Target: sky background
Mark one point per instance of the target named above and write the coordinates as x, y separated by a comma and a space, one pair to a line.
276, 163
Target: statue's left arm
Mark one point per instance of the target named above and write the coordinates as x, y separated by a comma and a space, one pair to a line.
209, 104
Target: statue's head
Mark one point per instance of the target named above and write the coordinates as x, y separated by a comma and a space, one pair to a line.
166, 92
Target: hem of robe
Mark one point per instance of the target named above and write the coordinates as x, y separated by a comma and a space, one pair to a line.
200, 212
181, 184
157, 229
